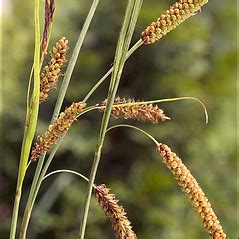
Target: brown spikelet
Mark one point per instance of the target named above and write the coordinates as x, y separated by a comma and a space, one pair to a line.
49, 13
141, 112
178, 13
51, 72
114, 212
56, 130
193, 191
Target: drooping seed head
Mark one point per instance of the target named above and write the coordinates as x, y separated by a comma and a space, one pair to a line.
51, 72
55, 131
130, 109
193, 191
115, 212
178, 13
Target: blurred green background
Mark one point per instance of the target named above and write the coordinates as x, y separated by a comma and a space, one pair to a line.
197, 59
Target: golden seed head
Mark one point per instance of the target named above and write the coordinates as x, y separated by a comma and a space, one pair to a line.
51, 72
178, 12
114, 212
141, 112
193, 191
55, 131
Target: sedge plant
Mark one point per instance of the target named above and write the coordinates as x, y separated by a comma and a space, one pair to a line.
45, 78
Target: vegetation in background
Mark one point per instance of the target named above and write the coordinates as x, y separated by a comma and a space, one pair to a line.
198, 58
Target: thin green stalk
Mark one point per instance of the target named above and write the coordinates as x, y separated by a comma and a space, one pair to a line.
61, 96
28, 208
41, 160
66, 171
37, 181
129, 53
30, 127
136, 128
73, 60
52, 193
31, 200
125, 37
27, 212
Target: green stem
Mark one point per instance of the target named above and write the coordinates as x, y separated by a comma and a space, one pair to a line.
61, 96
38, 178
126, 33
28, 209
30, 127
73, 59
33, 194
27, 212
66, 171
15, 213
129, 53
136, 128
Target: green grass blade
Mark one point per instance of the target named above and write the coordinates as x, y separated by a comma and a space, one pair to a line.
31, 122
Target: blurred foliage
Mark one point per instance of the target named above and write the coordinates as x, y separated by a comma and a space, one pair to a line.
197, 59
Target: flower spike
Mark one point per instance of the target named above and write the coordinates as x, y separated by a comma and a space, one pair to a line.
193, 191
57, 130
52, 71
178, 13
130, 109
114, 212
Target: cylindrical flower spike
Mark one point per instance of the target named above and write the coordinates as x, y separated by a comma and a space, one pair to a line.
51, 72
141, 112
191, 188
56, 130
178, 13
114, 212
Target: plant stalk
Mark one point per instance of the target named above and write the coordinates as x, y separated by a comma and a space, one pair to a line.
40, 175
37, 181
30, 125
129, 53
73, 59
125, 37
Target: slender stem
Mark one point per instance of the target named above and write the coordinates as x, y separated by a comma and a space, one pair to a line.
126, 33
30, 127
136, 128
41, 160
28, 209
35, 185
38, 178
73, 59
33, 193
129, 53
65, 171
15, 214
